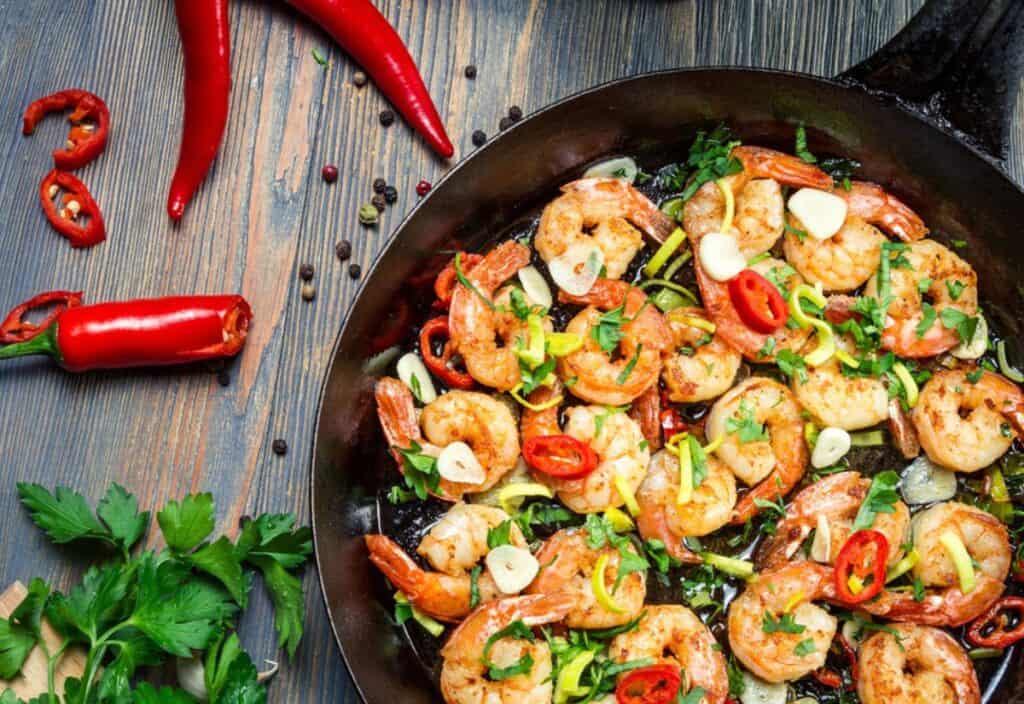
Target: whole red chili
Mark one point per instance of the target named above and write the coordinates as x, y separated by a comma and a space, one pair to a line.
999, 627
441, 366
857, 560
206, 45
394, 328
366, 35
560, 456
654, 684
76, 204
151, 332
757, 301
90, 120
444, 284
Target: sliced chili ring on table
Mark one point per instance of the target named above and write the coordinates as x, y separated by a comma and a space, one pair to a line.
757, 301
76, 206
444, 285
999, 627
90, 120
441, 365
560, 456
15, 328
654, 684
860, 566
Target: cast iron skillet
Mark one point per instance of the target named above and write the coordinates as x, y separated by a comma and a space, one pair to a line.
927, 115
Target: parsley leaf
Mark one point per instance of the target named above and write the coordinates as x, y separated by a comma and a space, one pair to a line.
119, 510
20, 633
784, 624
955, 288
499, 535
839, 168
975, 376
146, 693
801, 235
318, 57
767, 349
881, 497
965, 325
188, 523
694, 696
791, 364
745, 426
518, 630
419, 470
608, 330
711, 159
628, 369
600, 418
219, 559
801, 145
540, 513
63, 515
804, 648
928, 316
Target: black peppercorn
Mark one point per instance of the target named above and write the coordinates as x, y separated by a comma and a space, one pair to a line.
355, 271
279, 446
515, 113
387, 118
379, 185
378, 202
390, 194
306, 272
223, 378
505, 123
344, 250
470, 72
479, 138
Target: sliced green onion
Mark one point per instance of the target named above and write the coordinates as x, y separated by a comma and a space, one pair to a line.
559, 344
903, 374
812, 294
997, 486
984, 653
681, 290
434, 628
600, 590
668, 300
533, 353
906, 563
847, 359
867, 438
961, 560
1010, 372
730, 565
677, 264
666, 250
568, 683
672, 207
811, 434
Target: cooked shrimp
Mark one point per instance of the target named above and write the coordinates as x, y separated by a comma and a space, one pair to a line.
673, 635
453, 547
606, 212
646, 411
759, 216
664, 518
967, 426
907, 664
837, 498
567, 568
755, 346
952, 284
786, 592
618, 377
773, 459
478, 420
464, 672
613, 435
476, 324
846, 260
944, 604
702, 365
835, 399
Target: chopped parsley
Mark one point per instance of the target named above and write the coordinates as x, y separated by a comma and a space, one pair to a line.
881, 497
419, 470
784, 624
975, 376
955, 288
474, 585
745, 426
520, 631
710, 159
600, 418
804, 648
600, 533
924, 284
397, 495
318, 57
608, 330
792, 365
767, 349
928, 316
630, 365
499, 535
532, 378
840, 169
801, 235
965, 325
801, 149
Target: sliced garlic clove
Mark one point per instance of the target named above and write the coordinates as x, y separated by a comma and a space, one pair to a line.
576, 269
821, 546
620, 167
414, 374
535, 287
720, 256
821, 213
924, 482
192, 677
457, 463
977, 345
512, 568
829, 448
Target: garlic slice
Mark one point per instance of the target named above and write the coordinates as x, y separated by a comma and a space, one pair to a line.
720, 256
576, 269
924, 482
821, 546
620, 167
821, 213
192, 677
410, 367
512, 568
457, 463
977, 345
829, 448
535, 287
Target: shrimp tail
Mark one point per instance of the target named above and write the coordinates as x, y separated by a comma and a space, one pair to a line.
642, 213
444, 597
872, 203
652, 523
775, 486
605, 294
646, 411
760, 162
949, 607
397, 413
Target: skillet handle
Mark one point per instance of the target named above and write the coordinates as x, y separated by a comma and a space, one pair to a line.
958, 63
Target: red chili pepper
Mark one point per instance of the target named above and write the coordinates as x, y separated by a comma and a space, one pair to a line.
856, 558
444, 285
152, 332
654, 684
15, 328
441, 366
758, 303
827, 677
366, 35
206, 45
90, 120
999, 627
394, 328
76, 203
561, 456
851, 656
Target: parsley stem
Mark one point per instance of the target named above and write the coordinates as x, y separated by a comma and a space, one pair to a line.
51, 666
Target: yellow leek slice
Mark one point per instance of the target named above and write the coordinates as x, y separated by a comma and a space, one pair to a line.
626, 492
961, 560
730, 204
520, 490
600, 590
666, 250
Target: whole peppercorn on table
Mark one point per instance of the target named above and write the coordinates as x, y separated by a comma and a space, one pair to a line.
270, 223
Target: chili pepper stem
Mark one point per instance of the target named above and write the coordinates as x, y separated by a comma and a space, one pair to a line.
43, 343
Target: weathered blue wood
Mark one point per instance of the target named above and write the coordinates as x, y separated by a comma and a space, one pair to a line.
264, 211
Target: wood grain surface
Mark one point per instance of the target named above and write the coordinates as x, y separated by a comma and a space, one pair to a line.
264, 211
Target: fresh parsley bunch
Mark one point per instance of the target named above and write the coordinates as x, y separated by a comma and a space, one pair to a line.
138, 608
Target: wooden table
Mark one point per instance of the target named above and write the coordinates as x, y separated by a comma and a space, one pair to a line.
264, 211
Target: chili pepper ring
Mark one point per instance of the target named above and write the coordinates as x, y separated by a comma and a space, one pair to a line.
86, 139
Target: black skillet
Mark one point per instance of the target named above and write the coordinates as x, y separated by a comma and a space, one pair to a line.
928, 115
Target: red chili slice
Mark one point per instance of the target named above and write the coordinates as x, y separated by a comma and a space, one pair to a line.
76, 203
441, 366
999, 627
444, 285
561, 456
654, 684
758, 303
15, 328
90, 120
856, 558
